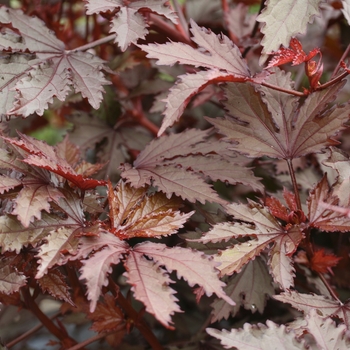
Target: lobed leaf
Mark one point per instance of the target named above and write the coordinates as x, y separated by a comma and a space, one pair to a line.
51, 74
107, 316
327, 334
219, 55
128, 22
275, 126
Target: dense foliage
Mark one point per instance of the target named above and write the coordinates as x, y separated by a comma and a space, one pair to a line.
175, 174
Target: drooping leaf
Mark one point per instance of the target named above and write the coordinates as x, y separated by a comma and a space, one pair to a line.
150, 285
53, 71
107, 316
274, 125
307, 302
11, 280
249, 289
188, 264
42, 155
271, 336
282, 20
128, 23
55, 284
187, 86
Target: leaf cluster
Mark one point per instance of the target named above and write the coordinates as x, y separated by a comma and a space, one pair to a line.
202, 182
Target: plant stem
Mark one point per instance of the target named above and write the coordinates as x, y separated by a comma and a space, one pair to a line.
46, 321
333, 81
88, 341
346, 52
29, 333
226, 10
101, 41
172, 32
278, 88
134, 316
294, 182
329, 288
182, 26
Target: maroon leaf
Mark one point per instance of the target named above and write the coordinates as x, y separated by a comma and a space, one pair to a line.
274, 126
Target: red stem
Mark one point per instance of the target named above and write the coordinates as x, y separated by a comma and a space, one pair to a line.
28, 333
278, 88
182, 26
139, 323
294, 182
89, 341
46, 321
169, 30
333, 81
346, 52
226, 10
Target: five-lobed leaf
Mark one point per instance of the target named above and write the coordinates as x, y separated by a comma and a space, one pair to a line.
270, 123
53, 73
128, 23
266, 230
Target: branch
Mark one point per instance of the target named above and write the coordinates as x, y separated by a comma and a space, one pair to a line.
294, 182
278, 88
46, 321
170, 31
182, 27
333, 81
134, 316
29, 333
101, 41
